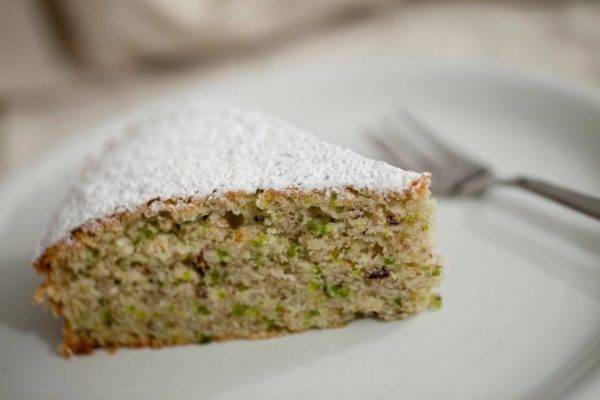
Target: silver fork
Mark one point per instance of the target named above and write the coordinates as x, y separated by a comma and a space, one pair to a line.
413, 146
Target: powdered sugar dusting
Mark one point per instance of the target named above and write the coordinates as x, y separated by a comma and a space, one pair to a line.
196, 150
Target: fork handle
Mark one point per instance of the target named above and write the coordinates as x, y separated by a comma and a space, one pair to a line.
583, 203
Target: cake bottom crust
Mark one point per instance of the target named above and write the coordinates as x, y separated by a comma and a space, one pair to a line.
71, 345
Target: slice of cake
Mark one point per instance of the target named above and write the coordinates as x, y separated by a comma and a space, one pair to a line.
203, 223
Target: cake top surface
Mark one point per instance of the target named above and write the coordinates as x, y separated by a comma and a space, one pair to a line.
198, 150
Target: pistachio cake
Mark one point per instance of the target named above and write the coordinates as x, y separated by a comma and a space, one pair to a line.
205, 223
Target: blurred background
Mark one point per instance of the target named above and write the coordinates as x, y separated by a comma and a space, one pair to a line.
66, 65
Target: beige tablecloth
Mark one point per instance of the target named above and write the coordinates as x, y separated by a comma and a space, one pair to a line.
43, 100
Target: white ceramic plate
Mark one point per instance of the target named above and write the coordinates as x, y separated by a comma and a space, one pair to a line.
521, 315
